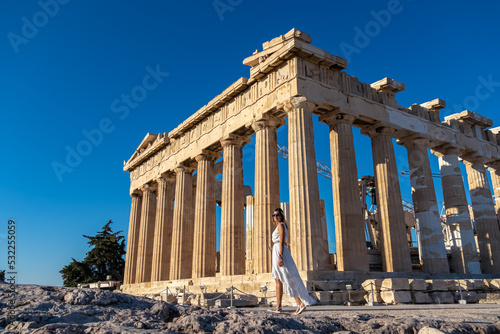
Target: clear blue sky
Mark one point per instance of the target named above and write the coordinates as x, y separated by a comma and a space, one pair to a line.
61, 73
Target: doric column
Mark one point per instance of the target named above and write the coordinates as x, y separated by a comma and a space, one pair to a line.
183, 229
163, 229
267, 190
249, 236
204, 253
232, 240
305, 222
464, 256
395, 251
349, 219
146, 234
495, 179
427, 219
488, 233
133, 238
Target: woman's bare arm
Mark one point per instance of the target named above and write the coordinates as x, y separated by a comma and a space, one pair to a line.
281, 231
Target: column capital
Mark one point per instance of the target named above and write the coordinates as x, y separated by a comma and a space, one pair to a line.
446, 149
232, 139
413, 141
182, 168
494, 165
472, 160
376, 131
148, 187
136, 193
298, 102
208, 155
165, 178
336, 117
267, 121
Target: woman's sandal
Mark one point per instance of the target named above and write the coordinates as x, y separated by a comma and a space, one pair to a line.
275, 310
301, 309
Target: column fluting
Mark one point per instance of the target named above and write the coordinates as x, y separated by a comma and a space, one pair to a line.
427, 219
232, 240
146, 234
205, 237
183, 226
395, 250
267, 191
163, 229
485, 218
349, 220
306, 239
133, 238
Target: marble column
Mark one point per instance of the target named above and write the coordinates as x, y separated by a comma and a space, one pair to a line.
267, 190
146, 234
349, 218
133, 238
488, 233
395, 251
464, 255
163, 229
249, 236
204, 253
306, 237
495, 179
183, 226
427, 219
232, 240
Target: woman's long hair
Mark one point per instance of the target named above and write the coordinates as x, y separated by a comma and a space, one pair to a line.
280, 211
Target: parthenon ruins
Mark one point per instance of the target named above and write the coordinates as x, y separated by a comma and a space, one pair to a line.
290, 81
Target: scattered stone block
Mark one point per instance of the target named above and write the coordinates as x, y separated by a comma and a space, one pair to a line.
338, 297
465, 284
421, 297
494, 284
437, 285
479, 284
227, 303
418, 285
396, 297
442, 297
470, 297
452, 284
324, 297
429, 330
375, 297
194, 300
251, 300
395, 284
375, 283
489, 298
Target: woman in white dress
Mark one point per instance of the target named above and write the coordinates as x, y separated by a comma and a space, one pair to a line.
284, 270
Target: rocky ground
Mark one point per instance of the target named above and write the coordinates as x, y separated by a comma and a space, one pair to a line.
42, 309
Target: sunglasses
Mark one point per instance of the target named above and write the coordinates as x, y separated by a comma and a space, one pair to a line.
276, 214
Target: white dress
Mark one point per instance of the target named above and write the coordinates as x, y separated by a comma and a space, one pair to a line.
288, 273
